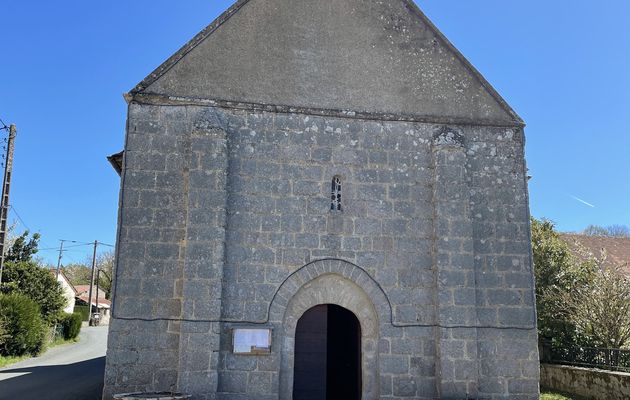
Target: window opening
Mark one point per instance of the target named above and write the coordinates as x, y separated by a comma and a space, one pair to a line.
335, 196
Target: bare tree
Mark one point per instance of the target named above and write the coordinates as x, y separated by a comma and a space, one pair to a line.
618, 231
609, 231
595, 230
105, 262
601, 307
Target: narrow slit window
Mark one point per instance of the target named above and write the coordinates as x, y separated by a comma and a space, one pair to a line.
335, 196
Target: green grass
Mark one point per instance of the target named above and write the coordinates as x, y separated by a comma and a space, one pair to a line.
6, 361
546, 395
61, 342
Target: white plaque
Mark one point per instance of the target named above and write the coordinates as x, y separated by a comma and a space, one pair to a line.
251, 341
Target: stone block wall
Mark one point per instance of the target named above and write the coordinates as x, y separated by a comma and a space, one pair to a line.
586, 382
225, 214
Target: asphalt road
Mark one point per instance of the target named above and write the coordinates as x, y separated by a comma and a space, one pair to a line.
68, 372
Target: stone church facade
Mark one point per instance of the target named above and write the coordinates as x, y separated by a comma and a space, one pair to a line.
336, 175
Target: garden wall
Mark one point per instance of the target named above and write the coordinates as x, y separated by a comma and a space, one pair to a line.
588, 382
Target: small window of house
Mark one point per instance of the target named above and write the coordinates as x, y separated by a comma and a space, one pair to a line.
335, 195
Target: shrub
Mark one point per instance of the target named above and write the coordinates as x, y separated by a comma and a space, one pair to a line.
71, 325
24, 325
84, 311
28, 278
3, 332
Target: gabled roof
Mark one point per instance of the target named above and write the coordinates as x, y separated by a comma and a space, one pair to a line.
102, 302
617, 249
116, 160
63, 276
368, 57
86, 289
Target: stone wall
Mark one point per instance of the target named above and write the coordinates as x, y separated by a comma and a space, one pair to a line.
225, 218
587, 382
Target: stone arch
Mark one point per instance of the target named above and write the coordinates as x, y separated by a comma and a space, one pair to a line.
316, 268
337, 282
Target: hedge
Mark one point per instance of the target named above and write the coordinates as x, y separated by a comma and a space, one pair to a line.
84, 311
71, 325
3, 332
24, 325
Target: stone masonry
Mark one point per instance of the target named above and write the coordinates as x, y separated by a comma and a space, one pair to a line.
225, 214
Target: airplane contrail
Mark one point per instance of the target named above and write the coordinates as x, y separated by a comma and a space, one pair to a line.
582, 201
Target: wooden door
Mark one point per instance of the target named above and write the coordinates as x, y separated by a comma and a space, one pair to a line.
327, 355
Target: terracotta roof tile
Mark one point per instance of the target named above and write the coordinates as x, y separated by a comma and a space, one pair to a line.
101, 302
617, 248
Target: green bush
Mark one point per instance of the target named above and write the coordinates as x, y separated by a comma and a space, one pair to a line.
84, 311
30, 279
24, 325
71, 325
3, 332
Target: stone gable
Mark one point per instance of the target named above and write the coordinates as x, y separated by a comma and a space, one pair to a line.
357, 55
227, 222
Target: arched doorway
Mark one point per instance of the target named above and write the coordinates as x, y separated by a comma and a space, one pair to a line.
327, 355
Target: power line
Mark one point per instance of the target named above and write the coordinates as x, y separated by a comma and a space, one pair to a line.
74, 245
72, 259
15, 211
18, 216
57, 249
64, 240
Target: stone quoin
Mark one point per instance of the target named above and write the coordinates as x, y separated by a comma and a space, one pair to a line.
335, 174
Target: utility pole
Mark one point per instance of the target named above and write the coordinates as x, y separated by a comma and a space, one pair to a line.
61, 253
98, 279
6, 186
92, 282
59, 259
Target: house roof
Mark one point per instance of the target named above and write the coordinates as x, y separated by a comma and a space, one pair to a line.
64, 277
102, 302
369, 57
617, 249
83, 293
86, 289
116, 160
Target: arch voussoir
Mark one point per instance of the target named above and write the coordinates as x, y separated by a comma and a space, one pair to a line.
332, 281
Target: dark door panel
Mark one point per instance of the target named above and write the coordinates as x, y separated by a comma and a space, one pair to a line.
327, 355
309, 373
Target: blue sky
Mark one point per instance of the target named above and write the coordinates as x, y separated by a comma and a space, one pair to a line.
563, 66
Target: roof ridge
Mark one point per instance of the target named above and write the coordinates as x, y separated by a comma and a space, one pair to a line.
594, 236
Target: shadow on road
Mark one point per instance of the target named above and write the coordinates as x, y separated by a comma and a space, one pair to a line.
78, 381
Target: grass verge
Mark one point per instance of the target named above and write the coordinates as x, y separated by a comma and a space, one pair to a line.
548, 395
6, 361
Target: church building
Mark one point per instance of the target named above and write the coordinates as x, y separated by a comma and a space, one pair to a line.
321, 200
